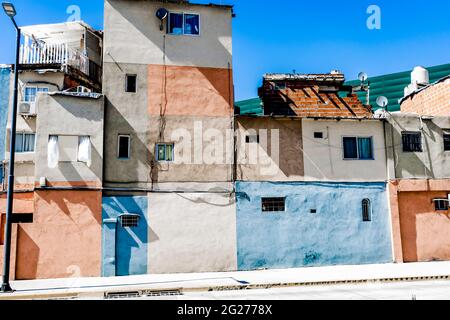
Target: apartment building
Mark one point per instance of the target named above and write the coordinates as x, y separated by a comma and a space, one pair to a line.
59, 153
418, 146
311, 173
168, 203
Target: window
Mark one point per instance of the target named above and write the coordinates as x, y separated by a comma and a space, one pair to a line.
184, 23
412, 141
31, 93
447, 140
123, 149
22, 218
366, 210
252, 139
273, 204
2, 229
130, 83
25, 142
164, 152
129, 220
318, 135
441, 204
358, 148
192, 24
84, 150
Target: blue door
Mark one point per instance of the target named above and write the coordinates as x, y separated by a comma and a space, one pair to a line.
125, 234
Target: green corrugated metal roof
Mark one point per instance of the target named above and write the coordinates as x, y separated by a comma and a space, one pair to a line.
251, 106
391, 86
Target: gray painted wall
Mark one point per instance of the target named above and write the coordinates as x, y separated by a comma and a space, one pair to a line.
433, 162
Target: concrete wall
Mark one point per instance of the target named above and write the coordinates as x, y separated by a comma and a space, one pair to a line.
433, 162
278, 156
64, 239
324, 158
72, 116
191, 232
125, 250
335, 234
132, 35
420, 232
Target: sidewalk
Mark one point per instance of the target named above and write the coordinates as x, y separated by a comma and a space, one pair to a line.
98, 287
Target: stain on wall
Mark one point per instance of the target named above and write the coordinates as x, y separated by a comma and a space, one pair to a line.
334, 235
124, 249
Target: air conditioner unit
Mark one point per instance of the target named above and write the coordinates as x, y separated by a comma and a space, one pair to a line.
81, 89
27, 108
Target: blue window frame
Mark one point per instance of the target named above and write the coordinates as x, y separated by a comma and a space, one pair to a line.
164, 152
25, 142
358, 148
183, 24
30, 93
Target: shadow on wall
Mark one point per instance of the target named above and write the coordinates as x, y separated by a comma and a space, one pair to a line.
290, 161
28, 254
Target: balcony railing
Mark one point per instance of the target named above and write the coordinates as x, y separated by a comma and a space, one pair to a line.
54, 54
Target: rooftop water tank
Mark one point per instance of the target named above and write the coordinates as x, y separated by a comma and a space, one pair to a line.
420, 76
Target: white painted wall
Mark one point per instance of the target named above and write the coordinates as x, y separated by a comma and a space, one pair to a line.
324, 158
191, 232
132, 35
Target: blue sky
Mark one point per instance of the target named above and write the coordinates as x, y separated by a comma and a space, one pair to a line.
308, 36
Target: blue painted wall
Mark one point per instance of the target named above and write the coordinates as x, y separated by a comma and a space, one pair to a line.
125, 250
335, 235
5, 79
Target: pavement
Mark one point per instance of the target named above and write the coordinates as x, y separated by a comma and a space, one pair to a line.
175, 284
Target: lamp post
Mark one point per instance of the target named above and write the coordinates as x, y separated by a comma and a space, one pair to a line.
11, 13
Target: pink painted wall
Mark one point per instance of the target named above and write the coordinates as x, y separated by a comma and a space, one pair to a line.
64, 239
422, 233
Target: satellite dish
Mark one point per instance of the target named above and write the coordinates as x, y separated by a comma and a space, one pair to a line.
162, 14
382, 101
362, 76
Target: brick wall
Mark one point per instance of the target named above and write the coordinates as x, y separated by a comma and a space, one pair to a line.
308, 100
434, 100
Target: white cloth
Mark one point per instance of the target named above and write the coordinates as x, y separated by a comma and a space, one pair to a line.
53, 152
84, 150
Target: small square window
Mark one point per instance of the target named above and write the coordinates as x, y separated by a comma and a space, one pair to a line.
252, 139
273, 204
164, 152
124, 147
129, 220
25, 142
318, 135
441, 204
358, 148
130, 83
22, 218
412, 141
447, 141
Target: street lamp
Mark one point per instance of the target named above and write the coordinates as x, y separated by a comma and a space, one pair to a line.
11, 12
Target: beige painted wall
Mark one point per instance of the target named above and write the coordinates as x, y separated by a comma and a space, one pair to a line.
191, 232
64, 115
324, 158
132, 35
259, 161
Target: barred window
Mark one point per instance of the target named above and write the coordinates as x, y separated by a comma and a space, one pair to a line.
273, 204
412, 141
129, 220
366, 210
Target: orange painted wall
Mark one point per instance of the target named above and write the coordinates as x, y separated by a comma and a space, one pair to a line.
190, 91
422, 233
64, 239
